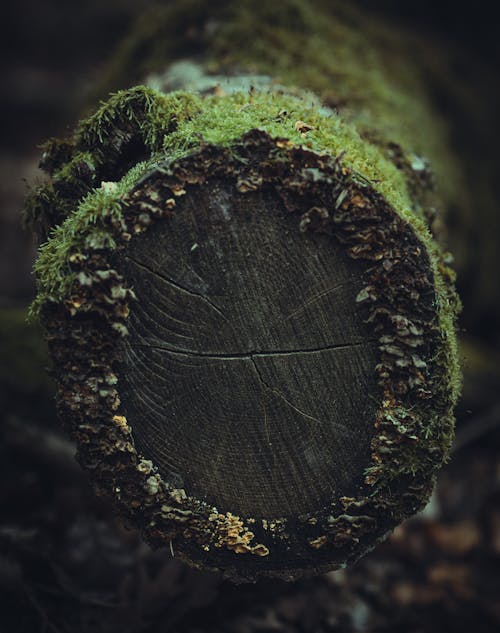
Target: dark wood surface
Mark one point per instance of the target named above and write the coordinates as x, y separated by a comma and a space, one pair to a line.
248, 375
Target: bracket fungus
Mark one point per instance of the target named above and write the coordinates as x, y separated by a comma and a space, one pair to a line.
251, 324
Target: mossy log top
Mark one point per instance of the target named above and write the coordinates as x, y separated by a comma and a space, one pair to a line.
425, 95
251, 324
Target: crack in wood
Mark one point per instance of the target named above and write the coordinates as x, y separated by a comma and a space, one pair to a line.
253, 354
280, 394
177, 285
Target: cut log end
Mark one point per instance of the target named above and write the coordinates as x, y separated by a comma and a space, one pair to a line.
253, 356
248, 370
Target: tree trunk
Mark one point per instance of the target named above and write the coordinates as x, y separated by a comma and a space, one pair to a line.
251, 323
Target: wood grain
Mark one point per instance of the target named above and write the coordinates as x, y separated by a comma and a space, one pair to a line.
248, 375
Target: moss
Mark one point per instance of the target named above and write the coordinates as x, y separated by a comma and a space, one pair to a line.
85, 226
368, 71
223, 119
103, 193
220, 120
127, 129
137, 112
404, 304
44, 208
171, 126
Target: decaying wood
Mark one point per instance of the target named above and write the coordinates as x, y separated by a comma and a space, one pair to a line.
254, 348
233, 328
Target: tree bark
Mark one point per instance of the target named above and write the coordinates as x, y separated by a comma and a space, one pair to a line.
251, 325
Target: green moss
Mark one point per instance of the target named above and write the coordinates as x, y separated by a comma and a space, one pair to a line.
125, 130
137, 112
367, 70
140, 131
171, 126
223, 119
413, 424
42, 208
178, 123
84, 226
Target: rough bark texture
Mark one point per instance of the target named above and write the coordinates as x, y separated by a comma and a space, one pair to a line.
253, 331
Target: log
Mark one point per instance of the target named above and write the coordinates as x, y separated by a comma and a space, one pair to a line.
251, 324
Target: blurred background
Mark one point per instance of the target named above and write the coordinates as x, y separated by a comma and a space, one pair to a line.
66, 565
